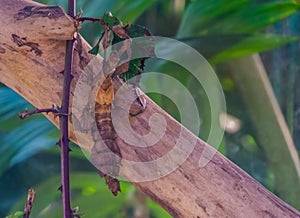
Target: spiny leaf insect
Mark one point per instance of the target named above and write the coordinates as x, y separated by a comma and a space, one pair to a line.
105, 95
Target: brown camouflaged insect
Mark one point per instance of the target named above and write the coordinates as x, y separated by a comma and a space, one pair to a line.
102, 156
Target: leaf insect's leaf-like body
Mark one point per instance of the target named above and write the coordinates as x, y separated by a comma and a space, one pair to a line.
136, 66
94, 50
101, 154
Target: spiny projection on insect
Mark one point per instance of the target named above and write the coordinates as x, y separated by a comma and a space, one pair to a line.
114, 31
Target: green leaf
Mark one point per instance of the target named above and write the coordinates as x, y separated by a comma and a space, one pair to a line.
219, 48
157, 210
128, 11
201, 14
254, 18
206, 17
211, 45
111, 20
18, 144
94, 50
11, 103
24, 141
96, 8
254, 44
91, 31
89, 192
16, 215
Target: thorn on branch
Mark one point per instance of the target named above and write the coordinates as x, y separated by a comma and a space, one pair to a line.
59, 143
60, 188
29, 203
63, 71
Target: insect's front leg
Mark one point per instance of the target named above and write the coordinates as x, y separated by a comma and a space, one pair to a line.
139, 104
124, 60
129, 98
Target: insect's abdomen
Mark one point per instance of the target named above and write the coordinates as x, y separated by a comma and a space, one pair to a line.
104, 122
105, 127
104, 149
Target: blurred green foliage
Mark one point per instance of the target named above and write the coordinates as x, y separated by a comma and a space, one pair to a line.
218, 29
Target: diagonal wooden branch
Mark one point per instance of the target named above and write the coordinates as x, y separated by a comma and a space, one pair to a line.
32, 48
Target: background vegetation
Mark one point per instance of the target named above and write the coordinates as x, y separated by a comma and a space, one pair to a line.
221, 30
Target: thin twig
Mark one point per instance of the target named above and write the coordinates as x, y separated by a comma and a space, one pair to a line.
28, 113
64, 139
82, 19
29, 203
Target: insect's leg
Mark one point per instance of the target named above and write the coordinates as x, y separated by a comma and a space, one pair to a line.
139, 104
126, 47
140, 98
106, 41
109, 61
134, 103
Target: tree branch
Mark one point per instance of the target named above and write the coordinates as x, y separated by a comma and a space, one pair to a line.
220, 189
29, 203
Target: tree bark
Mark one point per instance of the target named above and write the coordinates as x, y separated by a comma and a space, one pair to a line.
32, 51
